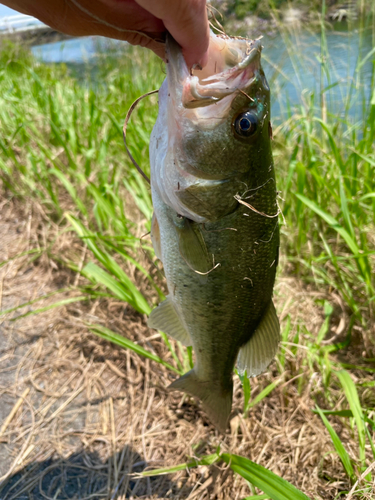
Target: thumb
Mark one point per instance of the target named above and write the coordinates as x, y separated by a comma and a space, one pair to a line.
187, 22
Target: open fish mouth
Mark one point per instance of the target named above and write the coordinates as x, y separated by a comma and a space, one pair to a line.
233, 65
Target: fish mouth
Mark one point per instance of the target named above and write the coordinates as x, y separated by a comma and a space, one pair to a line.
233, 64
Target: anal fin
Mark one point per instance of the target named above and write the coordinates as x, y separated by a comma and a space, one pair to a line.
259, 351
166, 318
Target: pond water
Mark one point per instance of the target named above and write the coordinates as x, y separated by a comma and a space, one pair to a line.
293, 65
305, 67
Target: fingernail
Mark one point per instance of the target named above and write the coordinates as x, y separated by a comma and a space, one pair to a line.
197, 66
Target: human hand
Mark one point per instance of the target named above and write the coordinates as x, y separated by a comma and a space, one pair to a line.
140, 22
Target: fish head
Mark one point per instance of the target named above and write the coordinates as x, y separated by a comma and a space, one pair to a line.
218, 116
213, 132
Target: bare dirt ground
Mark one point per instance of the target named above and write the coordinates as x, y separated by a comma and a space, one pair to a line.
80, 418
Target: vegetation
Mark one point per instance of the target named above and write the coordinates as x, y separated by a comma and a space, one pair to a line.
61, 145
265, 9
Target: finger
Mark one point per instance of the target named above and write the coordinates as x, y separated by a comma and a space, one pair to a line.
139, 39
187, 21
125, 20
121, 15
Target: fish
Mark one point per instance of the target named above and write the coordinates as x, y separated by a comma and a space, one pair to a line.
215, 221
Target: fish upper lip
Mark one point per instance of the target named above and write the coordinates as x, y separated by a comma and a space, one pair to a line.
253, 53
199, 92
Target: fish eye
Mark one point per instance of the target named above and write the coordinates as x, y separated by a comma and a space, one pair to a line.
245, 124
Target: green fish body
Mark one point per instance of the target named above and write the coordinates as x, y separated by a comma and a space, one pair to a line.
215, 224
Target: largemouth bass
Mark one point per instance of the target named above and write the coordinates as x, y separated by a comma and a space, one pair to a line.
215, 222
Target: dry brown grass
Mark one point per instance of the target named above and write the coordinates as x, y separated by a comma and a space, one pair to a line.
81, 417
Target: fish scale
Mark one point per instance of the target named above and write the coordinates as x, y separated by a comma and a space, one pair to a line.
215, 222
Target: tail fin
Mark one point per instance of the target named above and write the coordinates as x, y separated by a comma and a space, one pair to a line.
216, 402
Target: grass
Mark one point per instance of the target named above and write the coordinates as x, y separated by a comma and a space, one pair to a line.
274, 486
239, 9
61, 146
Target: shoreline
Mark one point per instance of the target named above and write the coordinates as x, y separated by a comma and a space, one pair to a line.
291, 18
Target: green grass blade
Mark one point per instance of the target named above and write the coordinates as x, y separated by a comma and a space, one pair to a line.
323, 329
257, 497
355, 405
206, 460
346, 414
272, 485
358, 367
51, 306
366, 158
339, 447
141, 198
341, 231
105, 205
246, 393
22, 254
34, 301
372, 443
58, 133
345, 210
107, 334
165, 338
331, 221
70, 188
267, 390
124, 284
275, 487
99, 275
338, 413
333, 143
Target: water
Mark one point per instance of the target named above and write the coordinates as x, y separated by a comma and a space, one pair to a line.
76, 50
299, 72
80, 51
294, 70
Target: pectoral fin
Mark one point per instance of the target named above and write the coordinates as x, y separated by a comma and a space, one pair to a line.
259, 351
155, 236
166, 318
193, 248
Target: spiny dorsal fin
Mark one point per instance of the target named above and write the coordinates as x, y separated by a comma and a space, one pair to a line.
259, 351
165, 318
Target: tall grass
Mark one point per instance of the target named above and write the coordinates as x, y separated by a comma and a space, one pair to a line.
325, 148
61, 144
